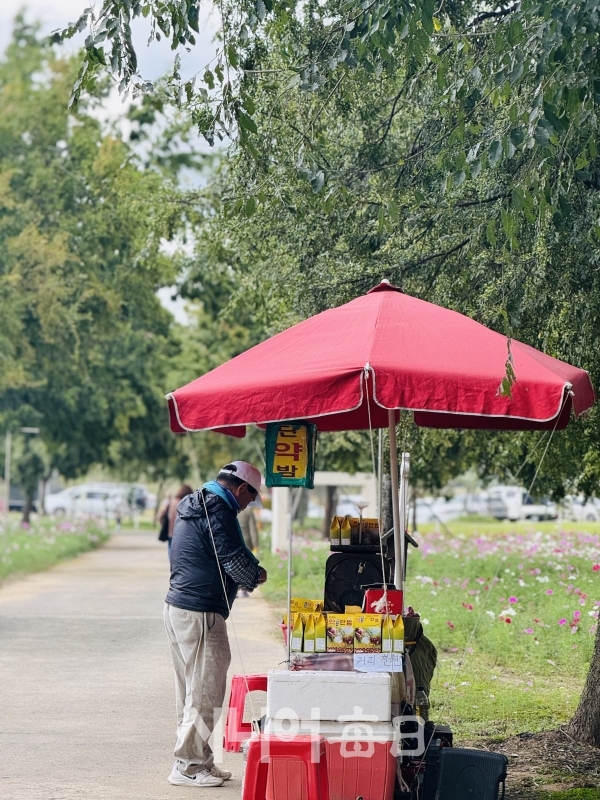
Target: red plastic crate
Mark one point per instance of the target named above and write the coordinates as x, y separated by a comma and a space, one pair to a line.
369, 773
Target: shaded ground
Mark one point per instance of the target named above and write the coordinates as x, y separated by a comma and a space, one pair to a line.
550, 762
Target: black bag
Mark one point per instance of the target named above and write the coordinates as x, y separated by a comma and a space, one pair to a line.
348, 575
163, 534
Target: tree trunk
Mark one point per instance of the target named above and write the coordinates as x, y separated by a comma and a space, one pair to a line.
387, 513
27, 507
585, 725
330, 504
42, 498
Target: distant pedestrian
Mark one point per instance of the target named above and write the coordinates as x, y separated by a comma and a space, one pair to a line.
183, 491
249, 528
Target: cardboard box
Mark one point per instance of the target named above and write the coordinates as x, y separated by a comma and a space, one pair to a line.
320, 633
398, 635
387, 627
340, 633
297, 633
367, 633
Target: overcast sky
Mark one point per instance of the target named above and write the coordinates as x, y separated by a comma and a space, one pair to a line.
154, 60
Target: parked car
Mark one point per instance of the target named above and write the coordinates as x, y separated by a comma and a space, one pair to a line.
578, 509
100, 497
86, 500
514, 503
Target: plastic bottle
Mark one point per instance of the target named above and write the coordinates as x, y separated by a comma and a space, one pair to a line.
422, 704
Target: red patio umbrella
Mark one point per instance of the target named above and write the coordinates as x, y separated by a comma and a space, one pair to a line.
354, 367
345, 368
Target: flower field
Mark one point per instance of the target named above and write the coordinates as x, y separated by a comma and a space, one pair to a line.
30, 548
512, 609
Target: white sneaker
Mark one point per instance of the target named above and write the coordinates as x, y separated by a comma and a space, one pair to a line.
202, 778
224, 774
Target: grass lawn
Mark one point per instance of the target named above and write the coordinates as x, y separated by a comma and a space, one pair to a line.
44, 543
511, 607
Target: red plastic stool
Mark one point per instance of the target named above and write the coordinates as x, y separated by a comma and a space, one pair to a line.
286, 769
235, 729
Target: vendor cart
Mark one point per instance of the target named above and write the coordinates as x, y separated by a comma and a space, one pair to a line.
357, 367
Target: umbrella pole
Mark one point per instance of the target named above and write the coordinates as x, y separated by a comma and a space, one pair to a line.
289, 588
398, 534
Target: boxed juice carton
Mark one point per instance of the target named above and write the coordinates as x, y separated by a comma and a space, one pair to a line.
387, 627
346, 532
297, 633
398, 635
309, 634
367, 633
340, 633
320, 633
335, 531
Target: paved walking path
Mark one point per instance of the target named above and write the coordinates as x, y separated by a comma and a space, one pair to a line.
86, 684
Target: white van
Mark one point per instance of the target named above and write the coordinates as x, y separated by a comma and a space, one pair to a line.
514, 503
86, 500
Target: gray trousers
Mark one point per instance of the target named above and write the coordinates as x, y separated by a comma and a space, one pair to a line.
201, 657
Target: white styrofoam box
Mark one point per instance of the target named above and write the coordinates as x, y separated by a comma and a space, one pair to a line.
343, 696
379, 731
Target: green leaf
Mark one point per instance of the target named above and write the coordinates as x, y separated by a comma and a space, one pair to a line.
232, 56
517, 136
317, 182
495, 152
247, 122
542, 135
250, 206
209, 79
490, 232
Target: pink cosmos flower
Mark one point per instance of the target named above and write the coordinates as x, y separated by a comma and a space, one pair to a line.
596, 567
562, 621
450, 625
549, 591
528, 630
576, 614
513, 599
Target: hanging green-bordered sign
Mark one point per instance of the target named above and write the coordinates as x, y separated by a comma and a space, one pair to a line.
290, 450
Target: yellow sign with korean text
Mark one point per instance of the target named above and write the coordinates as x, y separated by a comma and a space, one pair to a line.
290, 450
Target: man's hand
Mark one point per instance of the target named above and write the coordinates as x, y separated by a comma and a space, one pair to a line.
262, 575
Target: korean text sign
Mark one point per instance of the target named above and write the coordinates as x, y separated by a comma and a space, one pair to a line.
290, 450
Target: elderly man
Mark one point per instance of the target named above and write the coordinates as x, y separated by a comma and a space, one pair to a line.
209, 561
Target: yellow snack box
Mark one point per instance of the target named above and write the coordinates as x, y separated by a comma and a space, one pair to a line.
367, 633
334, 531
306, 605
398, 635
387, 627
346, 532
320, 633
340, 633
353, 610
297, 634
309, 634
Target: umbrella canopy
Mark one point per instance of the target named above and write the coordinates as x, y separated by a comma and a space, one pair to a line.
345, 368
